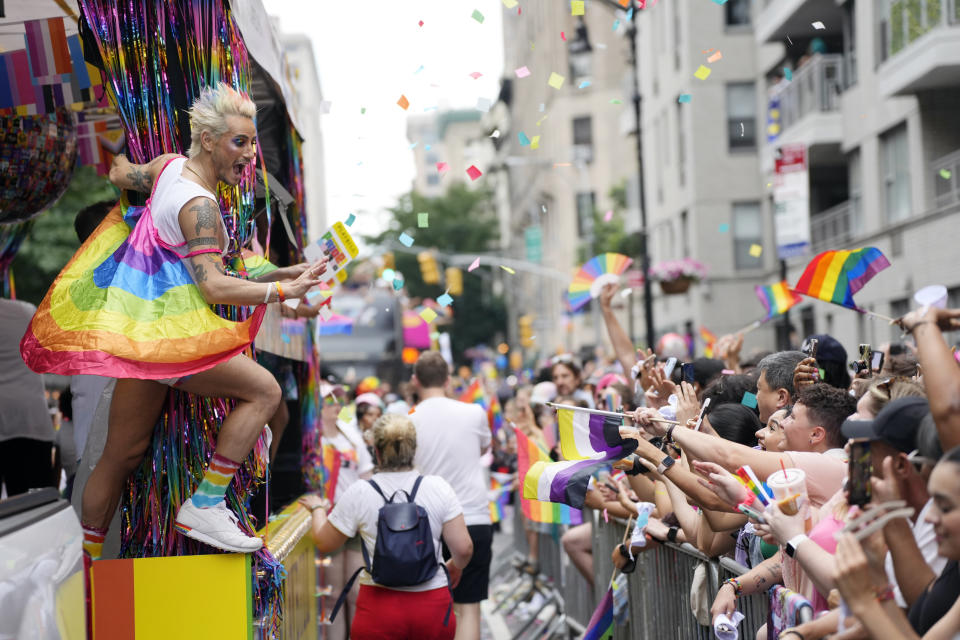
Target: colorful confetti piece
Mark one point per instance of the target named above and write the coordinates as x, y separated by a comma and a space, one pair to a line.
715, 57
756, 250
749, 400
509, 4
584, 84
473, 172
945, 174
350, 220
817, 25
475, 75
524, 140
556, 80
702, 73
723, 227
507, 269
522, 72
608, 215
405, 240
423, 220
474, 265
403, 103
576, 7
442, 166
477, 16
788, 73
445, 300
684, 98
428, 315
535, 142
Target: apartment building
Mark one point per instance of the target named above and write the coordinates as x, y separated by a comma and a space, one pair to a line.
704, 193
559, 152
872, 97
454, 137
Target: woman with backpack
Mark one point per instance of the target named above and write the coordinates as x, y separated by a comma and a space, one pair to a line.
400, 515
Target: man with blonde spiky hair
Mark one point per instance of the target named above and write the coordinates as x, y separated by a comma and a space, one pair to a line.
185, 215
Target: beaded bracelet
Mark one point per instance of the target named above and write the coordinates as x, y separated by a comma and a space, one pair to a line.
736, 584
885, 594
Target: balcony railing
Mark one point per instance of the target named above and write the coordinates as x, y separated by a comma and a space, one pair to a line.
815, 87
907, 20
833, 228
946, 176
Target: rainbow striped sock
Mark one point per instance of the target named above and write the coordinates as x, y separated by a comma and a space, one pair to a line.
93, 541
214, 484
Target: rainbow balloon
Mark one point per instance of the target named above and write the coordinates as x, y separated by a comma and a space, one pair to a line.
598, 271
124, 307
834, 276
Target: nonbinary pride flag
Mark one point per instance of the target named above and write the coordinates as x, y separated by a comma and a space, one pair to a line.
776, 298
528, 453
588, 436
834, 276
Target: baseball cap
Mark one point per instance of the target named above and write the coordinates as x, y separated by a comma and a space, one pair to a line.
326, 389
897, 424
369, 398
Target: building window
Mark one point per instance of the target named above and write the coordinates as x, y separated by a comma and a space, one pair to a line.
854, 182
895, 158
737, 13
747, 232
898, 309
681, 147
741, 115
808, 322
585, 206
850, 43
583, 140
433, 179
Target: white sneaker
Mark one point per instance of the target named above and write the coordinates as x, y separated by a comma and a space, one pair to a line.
216, 526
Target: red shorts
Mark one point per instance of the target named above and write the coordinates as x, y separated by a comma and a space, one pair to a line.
388, 613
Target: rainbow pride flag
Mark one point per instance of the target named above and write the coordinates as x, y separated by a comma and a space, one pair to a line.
126, 307
776, 298
474, 394
588, 436
527, 454
709, 340
332, 460
499, 496
495, 415
834, 276
600, 626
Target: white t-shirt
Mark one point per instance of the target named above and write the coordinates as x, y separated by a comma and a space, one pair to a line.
354, 461
926, 539
451, 437
359, 509
172, 192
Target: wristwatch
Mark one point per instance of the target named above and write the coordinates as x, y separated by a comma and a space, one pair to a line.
793, 543
665, 464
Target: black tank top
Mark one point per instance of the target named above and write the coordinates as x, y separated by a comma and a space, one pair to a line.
934, 603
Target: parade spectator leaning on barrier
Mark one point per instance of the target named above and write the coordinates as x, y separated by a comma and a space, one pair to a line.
415, 612
775, 382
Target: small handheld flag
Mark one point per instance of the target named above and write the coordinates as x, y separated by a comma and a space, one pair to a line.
834, 276
776, 298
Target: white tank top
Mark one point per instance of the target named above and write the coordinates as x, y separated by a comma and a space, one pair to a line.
170, 194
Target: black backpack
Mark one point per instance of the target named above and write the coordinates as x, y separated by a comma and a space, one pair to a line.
404, 555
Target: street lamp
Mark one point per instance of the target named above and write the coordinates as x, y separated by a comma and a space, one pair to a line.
579, 58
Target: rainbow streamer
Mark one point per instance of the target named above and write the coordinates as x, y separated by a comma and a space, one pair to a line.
590, 278
528, 453
834, 276
776, 298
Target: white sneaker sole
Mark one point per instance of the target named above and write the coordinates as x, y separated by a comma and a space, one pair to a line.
204, 538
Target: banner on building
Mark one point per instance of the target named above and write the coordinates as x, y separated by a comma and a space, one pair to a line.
791, 202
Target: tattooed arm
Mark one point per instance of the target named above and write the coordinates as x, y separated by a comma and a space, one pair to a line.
200, 223
137, 177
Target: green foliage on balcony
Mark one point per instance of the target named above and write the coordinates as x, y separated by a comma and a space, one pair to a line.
896, 26
934, 10
915, 27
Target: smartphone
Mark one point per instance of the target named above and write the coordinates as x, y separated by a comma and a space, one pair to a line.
865, 352
859, 472
686, 372
876, 362
810, 347
669, 367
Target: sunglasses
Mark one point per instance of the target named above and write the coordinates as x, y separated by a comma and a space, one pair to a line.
332, 400
563, 357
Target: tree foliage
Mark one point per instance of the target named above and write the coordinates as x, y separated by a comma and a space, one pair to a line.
611, 236
53, 241
460, 221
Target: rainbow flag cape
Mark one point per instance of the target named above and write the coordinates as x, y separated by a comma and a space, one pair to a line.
527, 454
709, 340
834, 276
776, 298
567, 481
588, 436
253, 264
126, 307
601, 622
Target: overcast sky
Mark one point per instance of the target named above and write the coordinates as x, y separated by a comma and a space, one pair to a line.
369, 54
